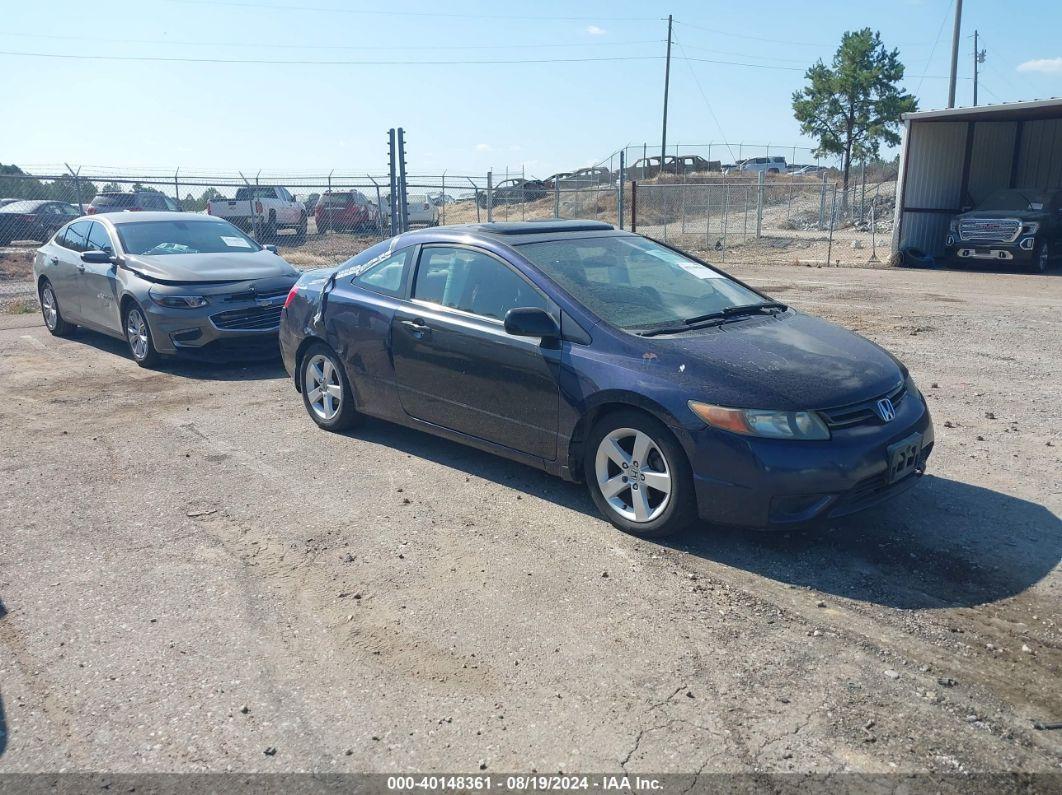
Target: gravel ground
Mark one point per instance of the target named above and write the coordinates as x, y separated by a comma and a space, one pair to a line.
193, 574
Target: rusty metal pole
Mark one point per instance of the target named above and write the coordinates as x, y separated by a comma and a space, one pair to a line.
634, 205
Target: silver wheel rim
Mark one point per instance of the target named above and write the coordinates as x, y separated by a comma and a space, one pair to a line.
324, 389
136, 331
49, 308
633, 475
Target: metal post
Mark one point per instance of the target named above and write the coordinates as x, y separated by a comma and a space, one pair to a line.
403, 198
556, 198
392, 165
379, 205
475, 196
822, 203
77, 187
443, 199
622, 174
634, 205
176, 187
833, 210
954, 53
726, 215
760, 182
862, 189
329, 206
490, 197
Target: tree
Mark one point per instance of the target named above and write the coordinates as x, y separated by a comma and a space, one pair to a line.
854, 105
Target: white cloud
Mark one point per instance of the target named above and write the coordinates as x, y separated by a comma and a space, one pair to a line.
1045, 65
482, 147
594, 30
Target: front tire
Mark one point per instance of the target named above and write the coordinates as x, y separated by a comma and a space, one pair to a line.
638, 475
1042, 259
138, 337
53, 317
300, 230
326, 392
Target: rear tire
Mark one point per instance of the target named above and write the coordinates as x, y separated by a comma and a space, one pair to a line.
326, 392
300, 230
138, 336
650, 495
53, 317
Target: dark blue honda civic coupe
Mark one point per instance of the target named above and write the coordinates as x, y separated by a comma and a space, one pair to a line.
672, 389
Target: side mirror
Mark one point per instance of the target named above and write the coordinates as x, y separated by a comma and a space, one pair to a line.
531, 322
271, 248
97, 257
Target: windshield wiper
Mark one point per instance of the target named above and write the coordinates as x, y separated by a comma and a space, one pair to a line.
751, 309
716, 318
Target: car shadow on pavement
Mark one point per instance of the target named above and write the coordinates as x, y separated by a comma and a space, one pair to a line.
259, 369
943, 544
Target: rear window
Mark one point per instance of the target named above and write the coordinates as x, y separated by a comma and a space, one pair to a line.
255, 193
336, 199
114, 200
21, 207
155, 238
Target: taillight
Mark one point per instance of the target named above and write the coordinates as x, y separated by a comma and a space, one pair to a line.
210, 210
258, 207
291, 295
90, 210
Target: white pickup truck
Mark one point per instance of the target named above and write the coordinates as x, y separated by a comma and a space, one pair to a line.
262, 210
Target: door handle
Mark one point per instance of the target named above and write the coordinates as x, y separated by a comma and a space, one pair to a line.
418, 326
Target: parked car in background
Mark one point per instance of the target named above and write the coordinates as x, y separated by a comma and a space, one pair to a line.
8, 201
33, 219
166, 283
1015, 225
649, 167
440, 199
515, 191
421, 211
346, 211
147, 200
674, 391
586, 178
263, 210
774, 164
553, 180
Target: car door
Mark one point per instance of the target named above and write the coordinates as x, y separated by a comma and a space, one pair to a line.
456, 367
62, 263
99, 288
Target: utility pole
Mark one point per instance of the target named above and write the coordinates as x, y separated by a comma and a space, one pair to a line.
667, 83
979, 58
954, 53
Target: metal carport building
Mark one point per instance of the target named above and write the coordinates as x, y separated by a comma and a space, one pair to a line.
952, 159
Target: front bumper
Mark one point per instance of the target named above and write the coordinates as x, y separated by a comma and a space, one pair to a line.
770, 483
991, 252
226, 329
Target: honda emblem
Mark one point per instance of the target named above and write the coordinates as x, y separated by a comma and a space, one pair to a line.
886, 410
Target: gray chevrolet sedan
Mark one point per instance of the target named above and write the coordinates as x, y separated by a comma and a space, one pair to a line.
166, 283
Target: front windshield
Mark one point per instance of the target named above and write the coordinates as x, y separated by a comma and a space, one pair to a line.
152, 238
634, 283
1015, 199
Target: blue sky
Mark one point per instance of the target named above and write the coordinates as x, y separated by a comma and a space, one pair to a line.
463, 117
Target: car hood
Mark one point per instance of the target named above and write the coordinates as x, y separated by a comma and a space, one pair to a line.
211, 267
1025, 215
788, 362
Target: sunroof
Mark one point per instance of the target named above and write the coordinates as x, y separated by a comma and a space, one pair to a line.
540, 227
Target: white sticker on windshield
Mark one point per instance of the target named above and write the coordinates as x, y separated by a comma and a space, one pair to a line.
235, 242
699, 271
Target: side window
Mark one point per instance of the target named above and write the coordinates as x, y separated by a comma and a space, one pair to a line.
386, 276
472, 281
99, 239
76, 238
71, 211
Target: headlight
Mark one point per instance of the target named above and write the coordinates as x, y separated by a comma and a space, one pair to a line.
763, 422
912, 388
178, 301
1030, 228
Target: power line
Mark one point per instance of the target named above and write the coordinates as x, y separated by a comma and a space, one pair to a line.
707, 104
282, 45
314, 62
392, 13
752, 38
936, 41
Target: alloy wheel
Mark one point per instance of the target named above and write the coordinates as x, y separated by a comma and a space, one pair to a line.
324, 387
633, 475
49, 307
136, 331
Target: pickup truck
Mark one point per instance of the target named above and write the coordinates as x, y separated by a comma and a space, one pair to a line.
1012, 226
262, 210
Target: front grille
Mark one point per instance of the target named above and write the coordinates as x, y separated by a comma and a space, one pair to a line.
990, 230
864, 412
255, 318
258, 295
